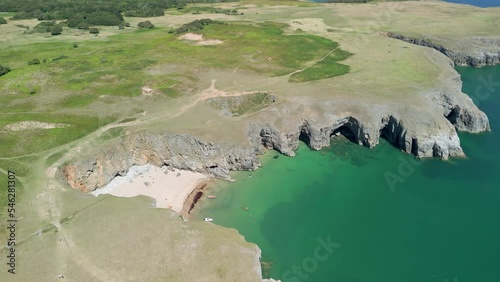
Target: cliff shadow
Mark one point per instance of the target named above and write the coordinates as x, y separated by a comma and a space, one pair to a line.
390, 133
346, 132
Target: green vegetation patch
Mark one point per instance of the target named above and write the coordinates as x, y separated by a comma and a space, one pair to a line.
244, 104
77, 100
326, 68
115, 66
4, 70
195, 25
24, 142
195, 10
264, 49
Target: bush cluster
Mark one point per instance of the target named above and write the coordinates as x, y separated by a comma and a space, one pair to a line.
4, 70
93, 12
195, 25
146, 24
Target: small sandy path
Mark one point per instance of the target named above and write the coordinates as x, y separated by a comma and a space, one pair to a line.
30, 125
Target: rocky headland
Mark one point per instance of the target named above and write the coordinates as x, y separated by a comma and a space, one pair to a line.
409, 95
412, 130
482, 50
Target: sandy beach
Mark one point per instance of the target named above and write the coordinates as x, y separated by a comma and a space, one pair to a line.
169, 188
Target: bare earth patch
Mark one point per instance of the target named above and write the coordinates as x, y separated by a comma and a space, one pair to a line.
147, 91
30, 125
199, 39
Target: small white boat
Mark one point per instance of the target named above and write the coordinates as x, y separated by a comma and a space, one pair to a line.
208, 219
211, 196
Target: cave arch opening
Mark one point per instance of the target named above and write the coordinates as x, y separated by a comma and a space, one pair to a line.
346, 132
387, 133
305, 136
453, 115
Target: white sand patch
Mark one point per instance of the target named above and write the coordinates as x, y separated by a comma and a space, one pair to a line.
169, 190
199, 39
210, 42
30, 125
191, 36
146, 90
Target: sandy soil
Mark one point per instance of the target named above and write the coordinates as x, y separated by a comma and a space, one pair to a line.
148, 91
199, 39
169, 188
29, 125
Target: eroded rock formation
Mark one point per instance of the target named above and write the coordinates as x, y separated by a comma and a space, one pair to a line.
486, 53
218, 159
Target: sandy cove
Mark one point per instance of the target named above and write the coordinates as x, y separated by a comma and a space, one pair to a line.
170, 188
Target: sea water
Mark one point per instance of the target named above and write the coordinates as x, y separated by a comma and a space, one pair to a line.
352, 214
479, 3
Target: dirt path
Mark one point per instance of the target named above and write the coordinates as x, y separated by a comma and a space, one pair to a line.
318, 61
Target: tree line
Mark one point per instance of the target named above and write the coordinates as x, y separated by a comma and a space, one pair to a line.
84, 13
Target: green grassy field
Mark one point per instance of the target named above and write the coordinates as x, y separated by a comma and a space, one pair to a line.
23, 142
326, 68
114, 66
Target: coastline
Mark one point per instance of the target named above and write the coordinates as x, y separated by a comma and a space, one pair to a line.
169, 188
193, 198
215, 185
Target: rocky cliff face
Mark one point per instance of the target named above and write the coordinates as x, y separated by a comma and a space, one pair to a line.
177, 151
415, 136
481, 56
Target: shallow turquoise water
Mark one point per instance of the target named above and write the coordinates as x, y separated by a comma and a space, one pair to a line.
479, 3
442, 223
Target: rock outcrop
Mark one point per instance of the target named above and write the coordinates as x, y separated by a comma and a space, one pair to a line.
422, 138
177, 151
487, 51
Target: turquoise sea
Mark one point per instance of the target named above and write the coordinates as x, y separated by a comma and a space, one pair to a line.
440, 222
479, 3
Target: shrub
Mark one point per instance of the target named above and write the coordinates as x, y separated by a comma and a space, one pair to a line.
22, 26
59, 58
56, 30
195, 25
94, 30
146, 24
35, 61
83, 25
44, 26
4, 70
2, 21
75, 45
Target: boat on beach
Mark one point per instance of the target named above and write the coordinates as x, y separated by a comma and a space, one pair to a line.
208, 219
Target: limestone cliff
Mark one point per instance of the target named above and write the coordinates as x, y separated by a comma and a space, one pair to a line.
486, 50
178, 151
422, 136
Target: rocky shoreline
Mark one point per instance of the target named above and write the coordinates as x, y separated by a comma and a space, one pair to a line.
186, 152
478, 58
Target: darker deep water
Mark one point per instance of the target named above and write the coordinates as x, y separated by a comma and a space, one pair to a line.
441, 224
